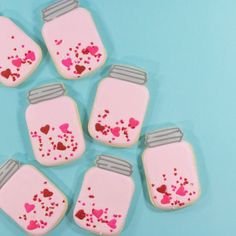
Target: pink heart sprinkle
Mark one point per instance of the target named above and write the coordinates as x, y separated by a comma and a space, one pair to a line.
133, 123
16, 62
64, 127
92, 49
29, 207
33, 225
165, 199
112, 223
67, 62
30, 55
115, 131
97, 213
181, 191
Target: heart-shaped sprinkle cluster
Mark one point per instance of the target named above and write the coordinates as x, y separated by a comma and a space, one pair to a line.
177, 194
120, 129
78, 59
20, 58
55, 143
39, 209
94, 217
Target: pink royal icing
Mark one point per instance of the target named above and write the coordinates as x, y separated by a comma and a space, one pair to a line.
20, 55
32, 201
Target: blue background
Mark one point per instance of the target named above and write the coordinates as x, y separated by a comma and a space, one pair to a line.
189, 51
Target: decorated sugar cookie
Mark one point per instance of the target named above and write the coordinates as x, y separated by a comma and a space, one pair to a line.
72, 39
105, 196
170, 170
54, 126
119, 107
30, 199
20, 55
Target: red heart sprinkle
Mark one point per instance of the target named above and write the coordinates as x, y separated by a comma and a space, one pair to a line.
61, 146
99, 127
6, 73
162, 189
47, 193
45, 129
80, 214
85, 51
79, 69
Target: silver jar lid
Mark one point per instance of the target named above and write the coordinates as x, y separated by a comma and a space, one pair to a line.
58, 8
45, 93
7, 170
114, 164
127, 73
163, 137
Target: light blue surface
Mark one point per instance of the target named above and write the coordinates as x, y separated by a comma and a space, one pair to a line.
189, 50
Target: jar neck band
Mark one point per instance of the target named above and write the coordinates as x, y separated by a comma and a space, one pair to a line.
129, 74
7, 170
58, 8
163, 137
114, 164
45, 93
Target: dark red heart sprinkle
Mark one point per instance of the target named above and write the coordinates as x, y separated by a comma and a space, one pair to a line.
47, 193
80, 214
79, 69
162, 189
99, 127
61, 146
6, 73
45, 129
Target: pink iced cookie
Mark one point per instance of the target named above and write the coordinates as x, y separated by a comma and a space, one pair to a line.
20, 55
30, 199
170, 170
72, 39
54, 126
119, 107
105, 196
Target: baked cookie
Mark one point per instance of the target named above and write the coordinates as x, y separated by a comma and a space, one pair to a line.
119, 107
72, 39
170, 170
20, 55
105, 196
30, 199
54, 126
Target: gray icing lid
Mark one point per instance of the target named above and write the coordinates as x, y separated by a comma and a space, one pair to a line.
7, 170
129, 74
45, 93
58, 8
114, 164
163, 137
